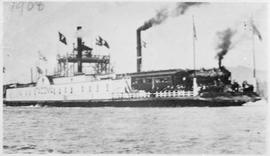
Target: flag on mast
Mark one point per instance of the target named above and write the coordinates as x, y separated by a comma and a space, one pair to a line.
256, 31
39, 70
106, 45
101, 42
144, 44
62, 38
194, 29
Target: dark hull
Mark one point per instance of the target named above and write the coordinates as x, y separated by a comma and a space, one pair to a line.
146, 102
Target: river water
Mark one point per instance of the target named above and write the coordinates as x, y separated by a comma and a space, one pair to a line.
182, 130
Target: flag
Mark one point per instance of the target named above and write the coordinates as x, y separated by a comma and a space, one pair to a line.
39, 70
101, 42
62, 38
106, 44
41, 57
84, 47
256, 31
144, 44
194, 30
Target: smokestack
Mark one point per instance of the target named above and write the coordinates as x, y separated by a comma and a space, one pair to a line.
219, 62
79, 49
139, 51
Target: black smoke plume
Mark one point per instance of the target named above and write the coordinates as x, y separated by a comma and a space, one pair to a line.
160, 17
225, 44
164, 13
181, 7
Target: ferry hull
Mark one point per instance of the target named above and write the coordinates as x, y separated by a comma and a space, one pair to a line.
147, 102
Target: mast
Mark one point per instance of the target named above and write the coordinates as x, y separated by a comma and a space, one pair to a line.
139, 51
253, 56
79, 49
194, 49
195, 86
253, 53
73, 64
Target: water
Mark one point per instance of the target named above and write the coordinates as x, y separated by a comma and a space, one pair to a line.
187, 130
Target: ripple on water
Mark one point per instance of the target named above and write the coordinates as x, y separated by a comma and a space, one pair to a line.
229, 130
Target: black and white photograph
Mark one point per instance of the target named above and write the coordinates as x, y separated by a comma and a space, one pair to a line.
135, 77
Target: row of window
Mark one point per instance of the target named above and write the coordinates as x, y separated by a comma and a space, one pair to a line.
59, 91
149, 80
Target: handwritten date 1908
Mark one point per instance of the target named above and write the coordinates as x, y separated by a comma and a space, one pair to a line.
29, 6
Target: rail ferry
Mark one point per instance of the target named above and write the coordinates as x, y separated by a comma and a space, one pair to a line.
162, 88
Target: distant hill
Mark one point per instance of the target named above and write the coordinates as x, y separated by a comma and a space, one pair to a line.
241, 73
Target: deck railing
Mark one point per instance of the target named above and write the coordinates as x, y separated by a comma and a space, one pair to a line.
156, 94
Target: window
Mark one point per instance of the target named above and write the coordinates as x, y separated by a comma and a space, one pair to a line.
65, 89
82, 88
140, 81
167, 79
89, 88
59, 90
71, 90
143, 80
148, 80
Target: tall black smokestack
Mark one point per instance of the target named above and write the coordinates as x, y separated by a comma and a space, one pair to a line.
79, 48
161, 16
139, 50
219, 62
225, 44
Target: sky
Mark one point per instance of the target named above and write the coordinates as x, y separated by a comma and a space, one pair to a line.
28, 29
